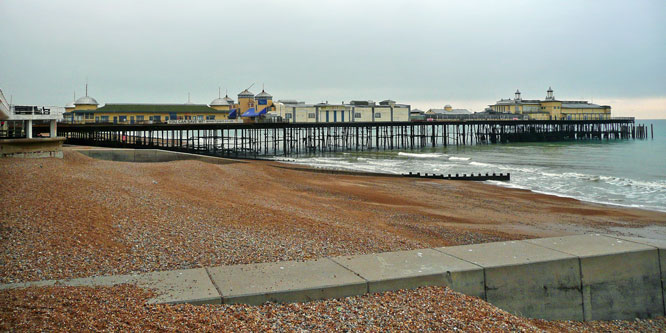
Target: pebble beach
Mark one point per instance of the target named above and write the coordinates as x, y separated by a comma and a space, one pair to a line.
78, 217
123, 308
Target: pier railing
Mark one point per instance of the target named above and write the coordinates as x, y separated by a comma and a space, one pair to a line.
282, 139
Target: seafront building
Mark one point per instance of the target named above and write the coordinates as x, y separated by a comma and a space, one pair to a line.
448, 112
253, 108
17, 120
16, 130
551, 108
355, 111
222, 109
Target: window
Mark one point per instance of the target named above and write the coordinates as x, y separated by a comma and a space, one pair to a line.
378, 115
89, 116
139, 118
105, 119
200, 117
97, 119
312, 115
210, 117
122, 119
357, 115
287, 116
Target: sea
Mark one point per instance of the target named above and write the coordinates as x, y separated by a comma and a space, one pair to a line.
629, 173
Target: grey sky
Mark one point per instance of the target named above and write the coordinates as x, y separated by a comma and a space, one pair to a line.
419, 52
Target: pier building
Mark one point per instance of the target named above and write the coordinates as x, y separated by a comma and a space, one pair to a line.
16, 130
448, 112
86, 110
222, 103
251, 108
355, 111
551, 108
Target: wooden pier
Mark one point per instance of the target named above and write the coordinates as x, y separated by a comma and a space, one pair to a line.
288, 139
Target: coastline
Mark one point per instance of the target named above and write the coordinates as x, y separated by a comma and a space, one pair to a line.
590, 201
288, 164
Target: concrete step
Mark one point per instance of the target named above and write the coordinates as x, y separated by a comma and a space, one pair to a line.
527, 279
287, 281
583, 277
619, 279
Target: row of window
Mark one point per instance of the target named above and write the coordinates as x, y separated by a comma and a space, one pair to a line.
312, 115
132, 119
502, 108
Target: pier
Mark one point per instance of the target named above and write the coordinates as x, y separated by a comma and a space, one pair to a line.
262, 140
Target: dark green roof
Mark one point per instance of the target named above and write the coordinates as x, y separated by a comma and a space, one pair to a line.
158, 108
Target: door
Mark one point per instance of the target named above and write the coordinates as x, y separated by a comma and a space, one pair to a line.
335, 116
115, 119
327, 116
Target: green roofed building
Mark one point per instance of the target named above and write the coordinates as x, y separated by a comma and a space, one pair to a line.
139, 113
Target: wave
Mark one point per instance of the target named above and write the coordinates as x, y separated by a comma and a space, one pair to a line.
587, 198
424, 155
611, 180
481, 164
534, 174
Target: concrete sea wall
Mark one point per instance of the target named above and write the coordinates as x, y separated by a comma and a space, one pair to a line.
149, 156
582, 277
31, 148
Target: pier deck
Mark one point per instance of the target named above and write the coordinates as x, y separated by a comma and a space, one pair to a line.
287, 139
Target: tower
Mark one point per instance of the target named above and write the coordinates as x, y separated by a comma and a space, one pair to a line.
264, 100
86, 102
220, 103
517, 95
245, 100
549, 94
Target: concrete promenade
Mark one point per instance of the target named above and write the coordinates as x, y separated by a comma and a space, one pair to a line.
582, 277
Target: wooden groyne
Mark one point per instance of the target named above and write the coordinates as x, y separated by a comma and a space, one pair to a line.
287, 139
480, 177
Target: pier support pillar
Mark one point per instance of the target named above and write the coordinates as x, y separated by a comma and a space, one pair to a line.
53, 128
28, 129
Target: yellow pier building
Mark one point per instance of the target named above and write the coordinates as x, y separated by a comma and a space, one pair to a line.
86, 110
551, 108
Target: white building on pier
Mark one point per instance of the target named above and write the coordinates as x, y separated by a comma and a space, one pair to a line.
355, 111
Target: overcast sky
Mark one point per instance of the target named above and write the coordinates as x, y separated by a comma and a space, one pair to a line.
425, 53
